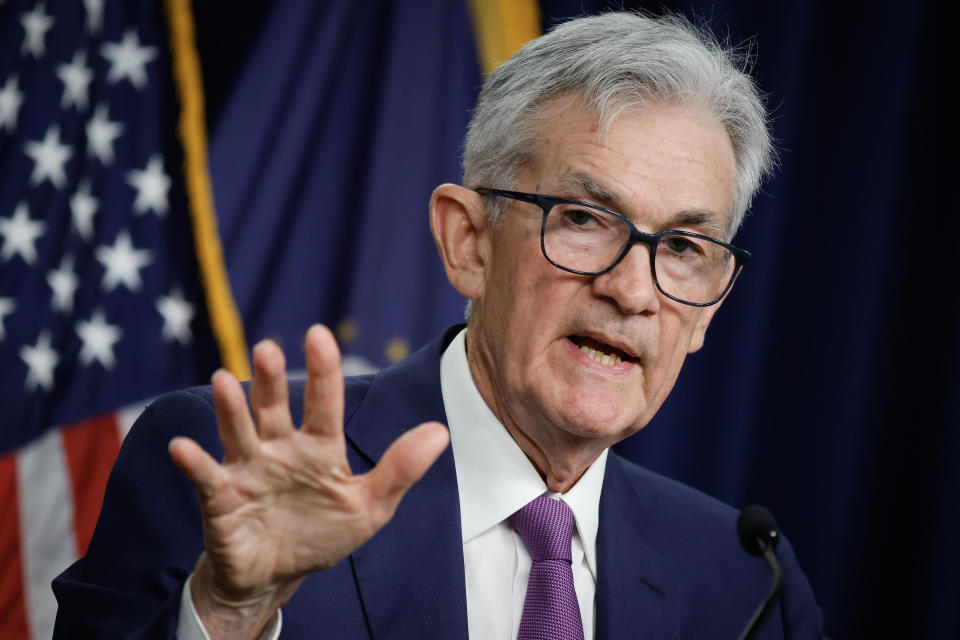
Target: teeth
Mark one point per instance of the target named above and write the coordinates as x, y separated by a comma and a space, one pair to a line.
599, 356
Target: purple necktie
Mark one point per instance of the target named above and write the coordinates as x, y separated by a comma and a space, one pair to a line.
550, 611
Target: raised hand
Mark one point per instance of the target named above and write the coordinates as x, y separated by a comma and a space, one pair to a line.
284, 502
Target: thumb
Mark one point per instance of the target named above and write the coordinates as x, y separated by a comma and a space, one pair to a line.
405, 462
197, 465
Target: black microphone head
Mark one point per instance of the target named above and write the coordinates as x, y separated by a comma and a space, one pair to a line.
757, 529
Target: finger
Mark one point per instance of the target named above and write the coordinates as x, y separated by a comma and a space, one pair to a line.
268, 391
199, 467
237, 431
323, 392
405, 462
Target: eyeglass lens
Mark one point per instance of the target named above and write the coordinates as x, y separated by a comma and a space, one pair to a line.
589, 240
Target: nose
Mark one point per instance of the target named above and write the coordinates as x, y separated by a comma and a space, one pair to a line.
630, 285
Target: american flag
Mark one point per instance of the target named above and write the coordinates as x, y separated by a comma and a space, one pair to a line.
100, 303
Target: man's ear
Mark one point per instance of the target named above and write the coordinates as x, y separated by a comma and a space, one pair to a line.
458, 220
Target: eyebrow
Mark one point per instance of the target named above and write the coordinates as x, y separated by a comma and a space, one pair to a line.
706, 220
580, 182
583, 183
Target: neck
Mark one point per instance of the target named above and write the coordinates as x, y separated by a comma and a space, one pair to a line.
560, 471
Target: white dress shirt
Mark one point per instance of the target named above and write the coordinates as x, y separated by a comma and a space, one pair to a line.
494, 479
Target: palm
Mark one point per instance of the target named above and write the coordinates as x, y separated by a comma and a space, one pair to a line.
289, 510
284, 502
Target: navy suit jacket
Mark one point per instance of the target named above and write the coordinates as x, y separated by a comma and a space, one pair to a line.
669, 563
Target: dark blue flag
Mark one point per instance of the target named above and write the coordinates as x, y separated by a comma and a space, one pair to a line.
345, 118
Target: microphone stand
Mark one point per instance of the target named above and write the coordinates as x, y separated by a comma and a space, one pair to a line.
767, 604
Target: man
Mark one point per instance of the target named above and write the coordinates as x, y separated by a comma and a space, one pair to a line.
606, 164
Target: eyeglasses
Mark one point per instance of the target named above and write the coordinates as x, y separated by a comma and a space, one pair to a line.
590, 240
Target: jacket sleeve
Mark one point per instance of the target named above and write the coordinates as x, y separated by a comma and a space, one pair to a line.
148, 536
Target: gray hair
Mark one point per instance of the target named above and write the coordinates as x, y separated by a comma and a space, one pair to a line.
615, 63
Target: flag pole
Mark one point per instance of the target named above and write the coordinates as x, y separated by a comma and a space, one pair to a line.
222, 309
501, 27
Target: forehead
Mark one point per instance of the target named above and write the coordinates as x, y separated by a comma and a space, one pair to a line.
656, 165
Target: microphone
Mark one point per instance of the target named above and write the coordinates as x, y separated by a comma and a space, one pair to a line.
758, 535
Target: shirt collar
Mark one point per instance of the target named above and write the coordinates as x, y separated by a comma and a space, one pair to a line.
494, 477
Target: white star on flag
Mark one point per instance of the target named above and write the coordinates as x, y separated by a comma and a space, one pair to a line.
20, 235
94, 15
101, 133
41, 359
76, 78
7, 306
49, 157
98, 339
123, 263
64, 283
10, 100
177, 314
152, 185
35, 26
83, 206
128, 59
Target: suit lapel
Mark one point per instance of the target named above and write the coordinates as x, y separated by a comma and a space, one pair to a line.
410, 574
635, 594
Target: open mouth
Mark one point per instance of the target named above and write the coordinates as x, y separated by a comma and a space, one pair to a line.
601, 352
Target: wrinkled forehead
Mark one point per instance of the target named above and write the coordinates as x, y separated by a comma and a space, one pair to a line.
561, 125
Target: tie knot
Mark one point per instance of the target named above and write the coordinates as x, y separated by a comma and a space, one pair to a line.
545, 525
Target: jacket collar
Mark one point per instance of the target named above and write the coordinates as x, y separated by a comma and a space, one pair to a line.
635, 586
410, 574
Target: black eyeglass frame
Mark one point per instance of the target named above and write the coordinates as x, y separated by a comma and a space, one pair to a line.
546, 203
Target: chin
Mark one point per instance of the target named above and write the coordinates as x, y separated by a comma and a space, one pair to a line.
594, 415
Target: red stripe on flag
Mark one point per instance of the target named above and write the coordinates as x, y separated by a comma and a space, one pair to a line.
13, 614
90, 448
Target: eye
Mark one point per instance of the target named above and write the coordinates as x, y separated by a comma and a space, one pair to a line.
681, 245
580, 218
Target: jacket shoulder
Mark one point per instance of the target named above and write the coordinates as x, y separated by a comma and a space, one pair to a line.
662, 494
696, 535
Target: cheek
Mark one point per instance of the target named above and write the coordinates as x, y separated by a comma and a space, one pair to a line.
512, 279
665, 379
531, 303
677, 331
680, 330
